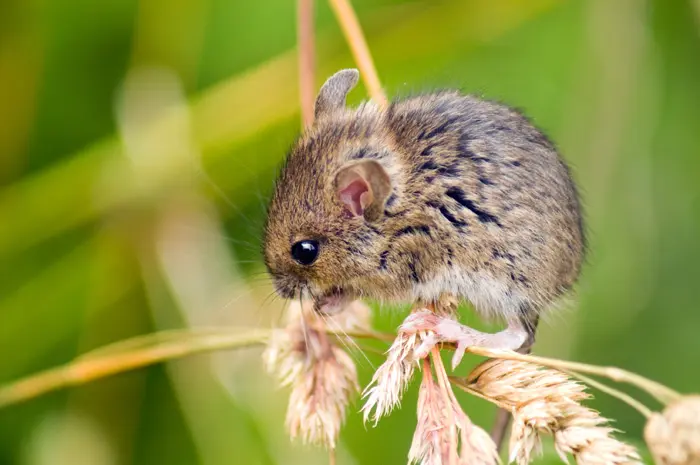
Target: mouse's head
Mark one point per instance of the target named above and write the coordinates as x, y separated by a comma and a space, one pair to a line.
322, 237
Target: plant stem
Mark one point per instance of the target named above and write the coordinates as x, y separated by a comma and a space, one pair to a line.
154, 348
88, 369
160, 337
306, 59
386, 337
358, 46
464, 386
443, 382
626, 398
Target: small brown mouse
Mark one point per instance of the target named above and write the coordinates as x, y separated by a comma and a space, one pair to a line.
437, 195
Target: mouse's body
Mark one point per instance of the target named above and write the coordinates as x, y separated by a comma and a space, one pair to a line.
441, 194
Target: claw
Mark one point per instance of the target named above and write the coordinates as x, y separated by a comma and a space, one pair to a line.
426, 346
459, 354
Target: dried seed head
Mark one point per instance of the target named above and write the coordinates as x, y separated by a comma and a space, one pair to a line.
322, 376
440, 416
430, 440
548, 401
281, 356
477, 447
391, 379
513, 383
320, 397
674, 436
594, 445
529, 421
412, 343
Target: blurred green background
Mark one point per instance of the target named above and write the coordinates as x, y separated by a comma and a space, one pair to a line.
123, 211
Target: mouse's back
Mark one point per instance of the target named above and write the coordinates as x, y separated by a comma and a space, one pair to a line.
498, 192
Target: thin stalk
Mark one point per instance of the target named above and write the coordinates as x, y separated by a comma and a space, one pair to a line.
443, 382
306, 59
155, 348
147, 340
358, 47
464, 386
386, 337
84, 370
142, 351
626, 398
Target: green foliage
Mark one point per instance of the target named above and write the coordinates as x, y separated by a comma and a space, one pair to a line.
615, 84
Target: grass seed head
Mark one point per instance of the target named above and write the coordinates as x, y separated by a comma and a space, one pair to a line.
673, 436
547, 401
322, 376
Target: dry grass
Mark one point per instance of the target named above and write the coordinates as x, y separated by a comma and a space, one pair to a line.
358, 46
391, 378
305, 356
542, 400
674, 435
444, 433
546, 401
322, 376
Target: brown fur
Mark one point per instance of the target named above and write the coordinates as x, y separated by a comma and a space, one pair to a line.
481, 206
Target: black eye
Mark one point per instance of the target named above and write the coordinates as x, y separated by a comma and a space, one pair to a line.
305, 252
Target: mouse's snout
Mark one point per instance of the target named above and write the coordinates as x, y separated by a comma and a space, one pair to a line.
288, 287
286, 280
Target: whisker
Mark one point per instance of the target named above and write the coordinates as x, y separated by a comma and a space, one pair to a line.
241, 294
218, 235
260, 278
220, 192
338, 328
285, 308
262, 201
258, 274
269, 298
346, 340
304, 327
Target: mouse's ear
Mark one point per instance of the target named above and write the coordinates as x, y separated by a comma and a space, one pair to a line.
363, 187
332, 95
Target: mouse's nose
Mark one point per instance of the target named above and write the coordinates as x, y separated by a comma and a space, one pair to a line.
288, 287
286, 292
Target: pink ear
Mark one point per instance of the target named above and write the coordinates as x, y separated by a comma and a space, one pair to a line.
356, 194
363, 187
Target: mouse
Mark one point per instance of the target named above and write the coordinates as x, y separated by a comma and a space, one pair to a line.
436, 196
440, 194
439, 197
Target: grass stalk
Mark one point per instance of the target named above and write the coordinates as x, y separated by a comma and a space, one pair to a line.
307, 59
350, 25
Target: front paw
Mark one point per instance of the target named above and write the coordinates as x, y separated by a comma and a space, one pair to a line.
422, 320
438, 330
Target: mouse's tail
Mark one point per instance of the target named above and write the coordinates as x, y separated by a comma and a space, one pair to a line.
500, 426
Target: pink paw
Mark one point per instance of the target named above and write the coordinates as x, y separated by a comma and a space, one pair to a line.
416, 322
439, 329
